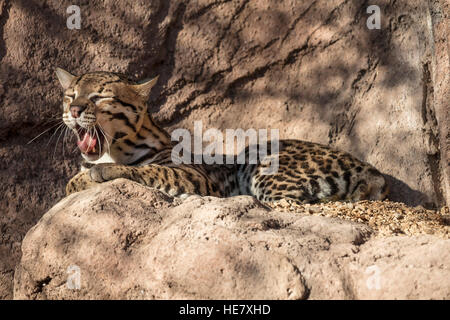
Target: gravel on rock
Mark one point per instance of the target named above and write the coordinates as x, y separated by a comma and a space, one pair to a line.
385, 217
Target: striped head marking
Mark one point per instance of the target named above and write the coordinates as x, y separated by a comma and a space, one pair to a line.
102, 108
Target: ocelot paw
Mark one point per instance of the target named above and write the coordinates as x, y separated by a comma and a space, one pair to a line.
80, 182
109, 171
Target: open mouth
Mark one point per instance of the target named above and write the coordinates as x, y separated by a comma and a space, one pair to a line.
90, 141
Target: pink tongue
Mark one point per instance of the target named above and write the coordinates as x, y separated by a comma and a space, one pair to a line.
87, 144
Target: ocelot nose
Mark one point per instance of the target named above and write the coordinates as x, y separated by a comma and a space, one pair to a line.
76, 110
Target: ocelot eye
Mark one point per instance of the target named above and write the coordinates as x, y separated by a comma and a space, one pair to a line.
94, 99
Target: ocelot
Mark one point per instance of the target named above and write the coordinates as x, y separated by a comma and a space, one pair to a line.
119, 139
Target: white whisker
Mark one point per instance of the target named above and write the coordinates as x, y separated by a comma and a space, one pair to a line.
98, 139
66, 137
59, 127
42, 133
56, 144
106, 139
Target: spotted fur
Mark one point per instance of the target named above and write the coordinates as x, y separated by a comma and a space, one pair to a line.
132, 146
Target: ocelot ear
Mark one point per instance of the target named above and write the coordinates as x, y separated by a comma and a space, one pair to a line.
64, 77
144, 88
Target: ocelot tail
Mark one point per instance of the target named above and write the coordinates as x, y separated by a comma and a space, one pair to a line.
119, 139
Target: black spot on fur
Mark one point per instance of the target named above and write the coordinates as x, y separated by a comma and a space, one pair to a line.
314, 186
124, 118
319, 161
300, 158
291, 188
343, 165
119, 135
123, 103
278, 178
146, 156
333, 186
347, 176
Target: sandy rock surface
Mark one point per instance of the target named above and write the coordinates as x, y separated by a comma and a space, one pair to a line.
311, 69
384, 217
132, 242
